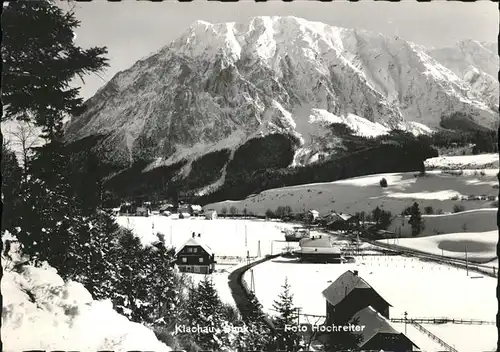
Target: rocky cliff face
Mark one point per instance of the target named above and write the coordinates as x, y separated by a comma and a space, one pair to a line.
477, 64
219, 85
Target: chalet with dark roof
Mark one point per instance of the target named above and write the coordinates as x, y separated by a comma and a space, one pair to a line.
338, 221
194, 256
350, 294
378, 333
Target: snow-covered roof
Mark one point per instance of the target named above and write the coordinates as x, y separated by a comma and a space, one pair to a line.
338, 216
344, 285
318, 250
323, 241
374, 324
195, 241
196, 207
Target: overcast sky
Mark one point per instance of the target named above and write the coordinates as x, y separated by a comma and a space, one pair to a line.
132, 29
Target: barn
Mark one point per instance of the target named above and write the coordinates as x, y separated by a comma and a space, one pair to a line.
350, 294
378, 333
318, 249
195, 257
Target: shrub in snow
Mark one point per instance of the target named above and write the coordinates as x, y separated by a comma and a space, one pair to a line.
458, 208
383, 182
429, 210
270, 214
41, 311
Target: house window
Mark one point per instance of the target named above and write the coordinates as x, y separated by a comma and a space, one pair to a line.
188, 250
184, 260
200, 260
195, 250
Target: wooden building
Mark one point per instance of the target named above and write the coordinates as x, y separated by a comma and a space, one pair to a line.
378, 333
195, 257
318, 249
338, 221
350, 294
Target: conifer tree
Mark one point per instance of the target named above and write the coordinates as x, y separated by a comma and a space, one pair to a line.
257, 337
284, 338
205, 310
415, 220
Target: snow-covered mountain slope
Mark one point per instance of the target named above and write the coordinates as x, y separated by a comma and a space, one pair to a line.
477, 63
218, 85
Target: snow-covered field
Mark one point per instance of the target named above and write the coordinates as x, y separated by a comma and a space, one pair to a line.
477, 220
480, 246
42, 312
481, 161
466, 338
423, 289
226, 237
438, 189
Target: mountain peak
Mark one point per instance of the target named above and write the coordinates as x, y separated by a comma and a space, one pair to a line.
218, 85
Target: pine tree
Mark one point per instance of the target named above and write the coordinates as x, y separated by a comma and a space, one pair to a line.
258, 335
415, 220
284, 338
204, 309
40, 59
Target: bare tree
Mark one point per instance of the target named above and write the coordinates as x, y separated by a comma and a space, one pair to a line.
25, 138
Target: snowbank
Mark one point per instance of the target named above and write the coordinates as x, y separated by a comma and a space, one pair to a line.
41, 311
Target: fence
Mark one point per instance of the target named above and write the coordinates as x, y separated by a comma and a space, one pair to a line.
442, 321
434, 337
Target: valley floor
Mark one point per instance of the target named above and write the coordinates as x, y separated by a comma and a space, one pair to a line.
423, 289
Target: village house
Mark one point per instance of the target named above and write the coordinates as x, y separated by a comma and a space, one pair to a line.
195, 209
338, 221
166, 208
348, 295
318, 249
195, 257
350, 299
378, 333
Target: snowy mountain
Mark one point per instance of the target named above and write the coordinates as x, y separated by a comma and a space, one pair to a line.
219, 85
477, 63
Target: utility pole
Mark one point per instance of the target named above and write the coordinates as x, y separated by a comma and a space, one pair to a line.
466, 261
258, 249
246, 243
406, 320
